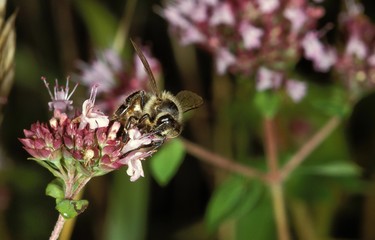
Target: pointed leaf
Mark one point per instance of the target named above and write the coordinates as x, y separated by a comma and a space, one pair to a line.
165, 163
333, 169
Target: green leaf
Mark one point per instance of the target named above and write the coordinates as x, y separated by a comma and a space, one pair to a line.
224, 200
55, 189
334, 105
254, 192
333, 169
259, 224
267, 102
166, 161
71, 208
100, 22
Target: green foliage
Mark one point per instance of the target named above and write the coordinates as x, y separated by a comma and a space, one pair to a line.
332, 169
234, 198
55, 189
267, 102
165, 163
71, 208
334, 104
127, 208
99, 21
259, 224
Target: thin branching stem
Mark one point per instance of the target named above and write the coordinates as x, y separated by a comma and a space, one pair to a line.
70, 193
309, 146
276, 187
222, 162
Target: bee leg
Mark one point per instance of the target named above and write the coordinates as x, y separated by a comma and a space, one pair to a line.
129, 102
132, 120
144, 123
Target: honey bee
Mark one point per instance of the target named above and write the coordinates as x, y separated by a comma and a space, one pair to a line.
155, 111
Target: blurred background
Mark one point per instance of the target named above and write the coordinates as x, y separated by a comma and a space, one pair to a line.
54, 36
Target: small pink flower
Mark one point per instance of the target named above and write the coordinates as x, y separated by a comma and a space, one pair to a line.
172, 14
91, 115
297, 18
354, 8
371, 60
192, 35
200, 13
356, 47
312, 47
186, 7
251, 36
136, 150
222, 14
323, 57
268, 6
135, 169
224, 59
61, 97
210, 2
296, 89
268, 79
326, 60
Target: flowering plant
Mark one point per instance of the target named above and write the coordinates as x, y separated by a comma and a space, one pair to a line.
82, 146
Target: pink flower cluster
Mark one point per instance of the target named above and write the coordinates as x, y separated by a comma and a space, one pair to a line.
88, 142
356, 60
116, 81
247, 36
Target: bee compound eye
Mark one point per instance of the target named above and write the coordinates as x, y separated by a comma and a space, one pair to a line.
168, 126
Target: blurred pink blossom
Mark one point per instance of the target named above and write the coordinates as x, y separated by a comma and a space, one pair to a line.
222, 14
115, 78
268, 6
251, 35
268, 79
322, 56
224, 59
296, 89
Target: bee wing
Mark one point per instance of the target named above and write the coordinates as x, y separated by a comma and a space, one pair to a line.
189, 100
151, 77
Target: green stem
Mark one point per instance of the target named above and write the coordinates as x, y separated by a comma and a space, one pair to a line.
279, 211
58, 227
124, 26
275, 182
70, 193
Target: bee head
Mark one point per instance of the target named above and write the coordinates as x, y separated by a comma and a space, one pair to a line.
168, 126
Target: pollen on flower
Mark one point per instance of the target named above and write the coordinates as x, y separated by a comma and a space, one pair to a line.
61, 97
88, 155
